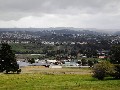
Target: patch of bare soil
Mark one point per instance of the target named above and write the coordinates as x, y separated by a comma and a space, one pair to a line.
45, 70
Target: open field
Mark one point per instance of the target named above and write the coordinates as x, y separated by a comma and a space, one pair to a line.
55, 82
40, 78
26, 48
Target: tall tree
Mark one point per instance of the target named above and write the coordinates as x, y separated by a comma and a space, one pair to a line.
7, 59
115, 55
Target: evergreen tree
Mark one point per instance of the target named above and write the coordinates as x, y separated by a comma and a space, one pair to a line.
115, 54
7, 59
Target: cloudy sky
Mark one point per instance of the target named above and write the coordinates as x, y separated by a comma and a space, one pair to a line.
101, 14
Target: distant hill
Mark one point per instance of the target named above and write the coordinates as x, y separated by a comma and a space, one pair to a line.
58, 30
117, 33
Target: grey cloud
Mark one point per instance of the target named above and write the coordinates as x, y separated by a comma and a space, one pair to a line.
93, 13
46, 5
20, 8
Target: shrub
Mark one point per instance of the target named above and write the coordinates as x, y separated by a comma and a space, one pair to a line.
102, 69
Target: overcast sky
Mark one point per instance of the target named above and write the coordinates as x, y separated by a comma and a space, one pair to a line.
101, 14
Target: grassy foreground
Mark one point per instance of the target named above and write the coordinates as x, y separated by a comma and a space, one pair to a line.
55, 82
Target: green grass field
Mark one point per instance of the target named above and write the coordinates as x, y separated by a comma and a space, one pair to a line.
35, 81
20, 47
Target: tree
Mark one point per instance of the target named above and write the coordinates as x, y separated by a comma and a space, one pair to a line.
115, 55
116, 74
7, 59
103, 69
90, 63
115, 59
79, 62
31, 60
84, 62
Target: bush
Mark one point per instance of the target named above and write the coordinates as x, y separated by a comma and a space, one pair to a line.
102, 69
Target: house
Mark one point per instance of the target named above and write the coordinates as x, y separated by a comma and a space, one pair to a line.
101, 57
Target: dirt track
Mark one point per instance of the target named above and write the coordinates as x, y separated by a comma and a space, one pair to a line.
44, 70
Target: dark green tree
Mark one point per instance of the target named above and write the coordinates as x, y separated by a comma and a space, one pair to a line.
90, 63
84, 62
7, 59
31, 60
115, 54
116, 74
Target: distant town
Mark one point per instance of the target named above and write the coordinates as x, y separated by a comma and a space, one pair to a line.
58, 46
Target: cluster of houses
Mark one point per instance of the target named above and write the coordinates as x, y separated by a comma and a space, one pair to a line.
49, 63
59, 63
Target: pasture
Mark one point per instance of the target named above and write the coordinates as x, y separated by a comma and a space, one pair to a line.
47, 79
